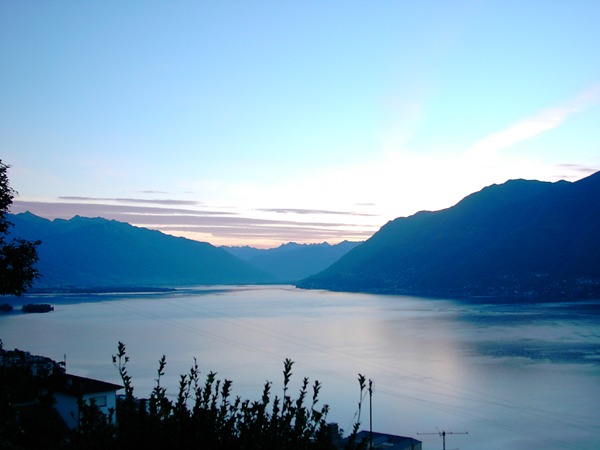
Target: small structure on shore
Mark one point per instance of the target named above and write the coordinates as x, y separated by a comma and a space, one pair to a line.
37, 308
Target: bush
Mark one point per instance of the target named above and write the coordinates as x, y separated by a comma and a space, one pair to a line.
205, 416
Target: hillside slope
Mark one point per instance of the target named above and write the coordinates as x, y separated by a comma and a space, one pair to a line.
522, 238
292, 262
97, 253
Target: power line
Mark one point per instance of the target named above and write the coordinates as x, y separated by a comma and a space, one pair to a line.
446, 387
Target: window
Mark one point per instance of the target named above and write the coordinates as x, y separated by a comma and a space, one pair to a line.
99, 400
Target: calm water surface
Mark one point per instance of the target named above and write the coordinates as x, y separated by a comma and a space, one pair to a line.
519, 377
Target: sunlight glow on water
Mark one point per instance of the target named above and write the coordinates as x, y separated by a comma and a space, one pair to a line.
521, 377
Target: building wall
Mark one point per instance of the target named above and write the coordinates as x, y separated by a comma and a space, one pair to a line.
68, 407
105, 401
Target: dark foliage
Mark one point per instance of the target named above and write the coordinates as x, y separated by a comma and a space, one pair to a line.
17, 256
27, 417
203, 415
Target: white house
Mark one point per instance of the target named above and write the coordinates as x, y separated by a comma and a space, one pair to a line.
73, 389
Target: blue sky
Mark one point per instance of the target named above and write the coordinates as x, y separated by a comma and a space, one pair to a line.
263, 122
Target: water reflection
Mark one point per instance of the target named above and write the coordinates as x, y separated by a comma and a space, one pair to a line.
525, 377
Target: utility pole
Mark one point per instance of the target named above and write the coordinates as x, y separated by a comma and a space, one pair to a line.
370, 414
443, 435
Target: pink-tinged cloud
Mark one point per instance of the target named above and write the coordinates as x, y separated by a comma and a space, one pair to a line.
252, 232
125, 213
205, 225
134, 201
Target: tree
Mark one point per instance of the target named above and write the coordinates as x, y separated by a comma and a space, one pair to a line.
17, 256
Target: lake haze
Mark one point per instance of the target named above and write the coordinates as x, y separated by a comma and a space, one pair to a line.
523, 376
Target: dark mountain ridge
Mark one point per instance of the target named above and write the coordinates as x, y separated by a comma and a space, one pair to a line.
523, 238
96, 253
292, 262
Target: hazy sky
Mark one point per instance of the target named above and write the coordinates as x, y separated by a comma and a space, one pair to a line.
263, 122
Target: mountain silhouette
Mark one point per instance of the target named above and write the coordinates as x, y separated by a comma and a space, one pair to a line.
292, 262
95, 253
520, 239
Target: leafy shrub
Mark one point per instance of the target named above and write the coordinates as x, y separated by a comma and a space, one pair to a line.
205, 416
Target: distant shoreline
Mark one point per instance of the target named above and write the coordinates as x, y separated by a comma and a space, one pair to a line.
99, 290
85, 294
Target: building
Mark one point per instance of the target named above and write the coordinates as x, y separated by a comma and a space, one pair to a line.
386, 441
70, 390
35, 377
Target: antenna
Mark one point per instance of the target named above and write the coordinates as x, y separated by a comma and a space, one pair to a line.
443, 435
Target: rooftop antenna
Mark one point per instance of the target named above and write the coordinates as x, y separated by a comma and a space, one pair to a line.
443, 435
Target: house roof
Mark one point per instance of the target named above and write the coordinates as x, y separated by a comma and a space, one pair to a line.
76, 385
387, 441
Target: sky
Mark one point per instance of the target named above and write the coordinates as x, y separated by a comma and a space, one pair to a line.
264, 122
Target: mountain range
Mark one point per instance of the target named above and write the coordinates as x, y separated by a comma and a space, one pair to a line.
521, 239
97, 254
292, 262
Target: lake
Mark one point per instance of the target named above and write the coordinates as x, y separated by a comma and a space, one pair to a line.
512, 376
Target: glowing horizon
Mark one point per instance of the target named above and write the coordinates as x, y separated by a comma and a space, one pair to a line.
260, 124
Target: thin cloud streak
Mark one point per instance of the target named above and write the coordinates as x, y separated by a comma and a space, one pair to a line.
55, 210
228, 235
575, 171
153, 216
218, 220
314, 211
209, 226
134, 200
585, 170
262, 230
543, 121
